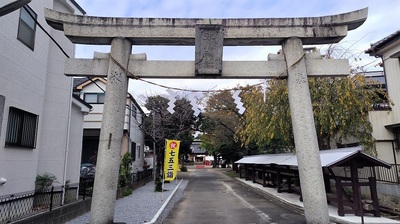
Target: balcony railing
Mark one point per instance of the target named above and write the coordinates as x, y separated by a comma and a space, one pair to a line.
381, 174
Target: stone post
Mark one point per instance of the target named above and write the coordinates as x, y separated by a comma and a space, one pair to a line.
109, 152
305, 138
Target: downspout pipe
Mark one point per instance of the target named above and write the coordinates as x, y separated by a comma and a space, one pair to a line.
154, 147
129, 127
66, 151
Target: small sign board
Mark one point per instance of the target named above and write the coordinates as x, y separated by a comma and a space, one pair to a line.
209, 44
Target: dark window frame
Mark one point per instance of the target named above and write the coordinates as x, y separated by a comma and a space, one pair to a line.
133, 151
23, 25
99, 98
138, 151
396, 133
134, 111
2, 104
383, 104
22, 128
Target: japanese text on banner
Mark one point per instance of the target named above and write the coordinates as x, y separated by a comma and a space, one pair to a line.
171, 159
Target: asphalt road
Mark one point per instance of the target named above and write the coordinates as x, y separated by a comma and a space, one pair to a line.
212, 197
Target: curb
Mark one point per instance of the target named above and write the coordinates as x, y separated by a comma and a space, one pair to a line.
293, 207
157, 215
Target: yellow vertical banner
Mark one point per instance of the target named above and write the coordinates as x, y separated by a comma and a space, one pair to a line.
171, 162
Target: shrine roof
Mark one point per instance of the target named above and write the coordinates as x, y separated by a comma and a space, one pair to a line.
329, 158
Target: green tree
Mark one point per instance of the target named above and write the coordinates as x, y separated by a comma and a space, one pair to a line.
340, 107
267, 124
161, 125
220, 121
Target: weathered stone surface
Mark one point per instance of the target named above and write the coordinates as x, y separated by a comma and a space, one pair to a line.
167, 31
230, 69
305, 137
208, 49
109, 152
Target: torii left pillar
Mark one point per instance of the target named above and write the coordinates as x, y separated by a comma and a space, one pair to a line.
109, 152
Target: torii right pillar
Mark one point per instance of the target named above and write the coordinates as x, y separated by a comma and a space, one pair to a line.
305, 138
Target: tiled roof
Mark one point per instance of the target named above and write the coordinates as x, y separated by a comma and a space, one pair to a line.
375, 47
198, 151
78, 81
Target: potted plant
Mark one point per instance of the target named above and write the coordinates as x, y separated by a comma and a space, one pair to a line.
43, 186
43, 182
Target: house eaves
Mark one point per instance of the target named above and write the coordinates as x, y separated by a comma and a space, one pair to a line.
79, 81
393, 127
376, 48
82, 82
136, 103
85, 107
12, 6
78, 7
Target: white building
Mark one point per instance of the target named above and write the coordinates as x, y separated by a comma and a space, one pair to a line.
41, 122
93, 91
386, 125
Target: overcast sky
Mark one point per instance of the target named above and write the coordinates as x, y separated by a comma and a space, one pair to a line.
383, 19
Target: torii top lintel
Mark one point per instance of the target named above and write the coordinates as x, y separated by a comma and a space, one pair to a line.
236, 32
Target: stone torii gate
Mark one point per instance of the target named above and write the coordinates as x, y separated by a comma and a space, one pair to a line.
208, 36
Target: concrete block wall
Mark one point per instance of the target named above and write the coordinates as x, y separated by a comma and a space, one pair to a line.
60, 215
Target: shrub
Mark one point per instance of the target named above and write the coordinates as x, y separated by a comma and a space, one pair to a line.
124, 170
44, 181
158, 185
127, 192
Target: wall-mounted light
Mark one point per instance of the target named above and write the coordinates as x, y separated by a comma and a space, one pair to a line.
3, 180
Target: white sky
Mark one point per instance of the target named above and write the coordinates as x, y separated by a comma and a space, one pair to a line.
383, 19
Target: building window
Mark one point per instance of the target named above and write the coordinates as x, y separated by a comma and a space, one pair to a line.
138, 151
2, 101
379, 82
141, 118
94, 97
27, 27
396, 132
134, 112
133, 151
21, 128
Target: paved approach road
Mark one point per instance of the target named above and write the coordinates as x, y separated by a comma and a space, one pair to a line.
213, 197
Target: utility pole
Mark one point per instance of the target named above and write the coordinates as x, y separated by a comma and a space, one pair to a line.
154, 146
